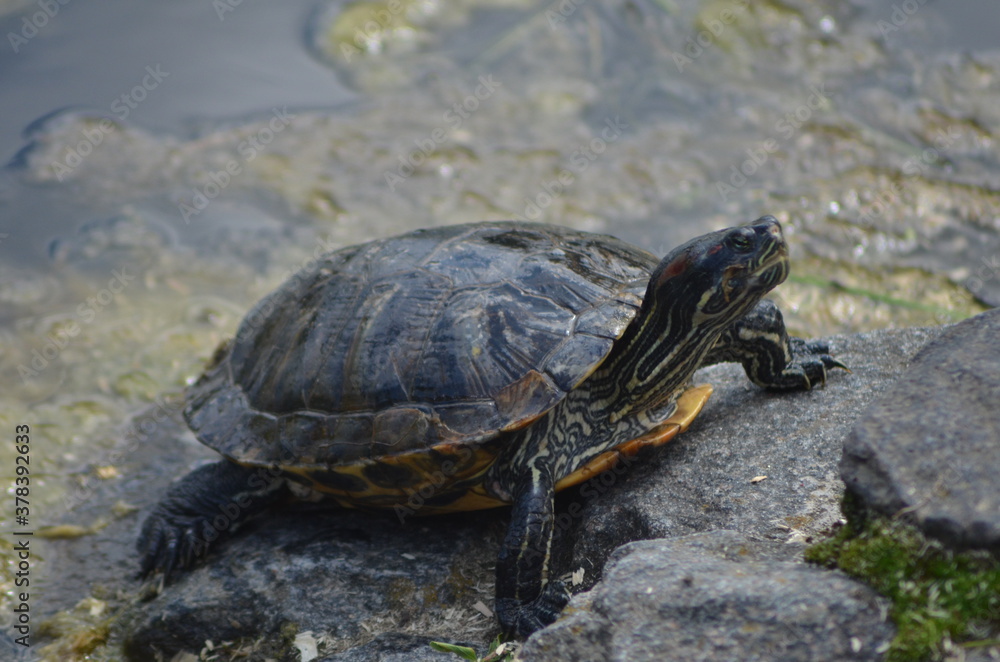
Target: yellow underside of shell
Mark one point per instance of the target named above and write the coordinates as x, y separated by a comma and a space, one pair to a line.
433, 473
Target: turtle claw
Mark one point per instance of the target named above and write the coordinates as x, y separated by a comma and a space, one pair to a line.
205, 506
523, 619
817, 349
169, 544
811, 364
771, 358
831, 362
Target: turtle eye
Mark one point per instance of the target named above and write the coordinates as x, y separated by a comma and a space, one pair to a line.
739, 242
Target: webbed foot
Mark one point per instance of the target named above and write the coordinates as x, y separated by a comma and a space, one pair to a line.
200, 509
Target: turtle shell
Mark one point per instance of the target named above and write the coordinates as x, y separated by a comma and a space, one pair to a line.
415, 350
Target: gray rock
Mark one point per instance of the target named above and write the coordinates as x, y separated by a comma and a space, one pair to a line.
703, 479
715, 596
349, 575
394, 647
345, 573
931, 446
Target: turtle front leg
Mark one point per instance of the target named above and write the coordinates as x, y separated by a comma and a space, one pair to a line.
772, 359
202, 508
525, 600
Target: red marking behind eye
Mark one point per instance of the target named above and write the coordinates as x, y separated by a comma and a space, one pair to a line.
678, 266
714, 249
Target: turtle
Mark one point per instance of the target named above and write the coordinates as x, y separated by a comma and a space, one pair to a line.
469, 367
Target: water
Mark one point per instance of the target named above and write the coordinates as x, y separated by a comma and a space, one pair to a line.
168, 166
96, 58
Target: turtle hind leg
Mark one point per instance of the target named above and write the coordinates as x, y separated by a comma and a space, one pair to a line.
772, 359
200, 509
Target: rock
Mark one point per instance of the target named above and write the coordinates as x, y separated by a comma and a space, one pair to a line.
12, 651
931, 446
716, 596
350, 576
394, 647
704, 479
342, 574
362, 577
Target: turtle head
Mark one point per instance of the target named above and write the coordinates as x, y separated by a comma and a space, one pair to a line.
716, 278
695, 292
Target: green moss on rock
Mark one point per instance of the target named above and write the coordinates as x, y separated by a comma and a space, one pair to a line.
939, 597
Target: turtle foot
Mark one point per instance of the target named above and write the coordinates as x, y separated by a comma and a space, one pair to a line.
523, 619
810, 365
204, 507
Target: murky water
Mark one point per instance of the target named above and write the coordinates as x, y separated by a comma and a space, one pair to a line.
172, 162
